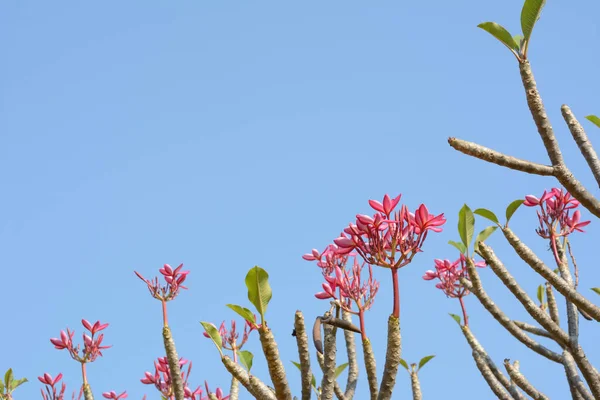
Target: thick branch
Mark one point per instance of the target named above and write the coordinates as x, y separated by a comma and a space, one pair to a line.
501, 272
489, 377
552, 306
173, 359
276, 369
559, 283
234, 389
329, 356
522, 382
581, 138
256, 388
339, 393
509, 325
501, 159
304, 355
392, 359
573, 377
371, 367
416, 386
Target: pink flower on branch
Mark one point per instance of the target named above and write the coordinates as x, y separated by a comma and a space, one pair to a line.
230, 337
92, 346
389, 238
52, 391
554, 214
218, 394
173, 278
161, 379
113, 395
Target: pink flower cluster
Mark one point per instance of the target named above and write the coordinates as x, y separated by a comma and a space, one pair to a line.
92, 346
555, 208
229, 338
50, 385
389, 238
174, 279
449, 273
161, 379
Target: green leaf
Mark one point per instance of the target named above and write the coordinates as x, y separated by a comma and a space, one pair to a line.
519, 40
1, 387
594, 119
18, 382
456, 318
484, 234
532, 9
8, 378
403, 363
540, 293
243, 312
340, 368
596, 289
259, 290
512, 207
246, 359
425, 360
500, 33
485, 213
459, 246
213, 332
313, 380
466, 225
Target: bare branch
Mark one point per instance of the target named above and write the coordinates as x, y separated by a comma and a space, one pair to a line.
559, 283
573, 376
392, 359
552, 306
416, 386
329, 362
489, 377
276, 369
256, 388
352, 380
501, 159
581, 138
532, 329
521, 381
371, 367
304, 355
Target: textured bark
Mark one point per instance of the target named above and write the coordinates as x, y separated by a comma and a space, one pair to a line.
416, 386
509, 325
304, 355
329, 357
87, 392
339, 393
352, 380
256, 388
489, 377
173, 358
371, 367
276, 369
498, 158
532, 329
392, 359
527, 255
234, 389
536, 313
575, 382
581, 138
552, 306
522, 382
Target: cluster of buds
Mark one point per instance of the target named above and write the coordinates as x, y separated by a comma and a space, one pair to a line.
230, 338
174, 279
330, 258
92, 346
51, 385
449, 273
389, 238
161, 379
555, 212
114, 396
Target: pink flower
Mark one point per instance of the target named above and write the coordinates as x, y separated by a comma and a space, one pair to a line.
449, 273
52, 392
229, 338
114, 396
388, 204
554, 214
161, 379
92, 346
174, 279
218, 394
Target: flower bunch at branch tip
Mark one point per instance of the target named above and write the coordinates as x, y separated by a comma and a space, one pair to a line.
389, 238
555, 213
161, 379
230, 337
114, 396
218, 393
92, 345
449, 275
173, 278
50, 384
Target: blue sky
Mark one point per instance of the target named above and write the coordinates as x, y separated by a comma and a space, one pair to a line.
224, 135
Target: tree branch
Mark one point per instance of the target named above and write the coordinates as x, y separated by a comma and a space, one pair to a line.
581, 138
303, 354
522, 382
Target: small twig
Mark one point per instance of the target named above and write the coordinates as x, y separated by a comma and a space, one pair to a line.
533, 329
521, 381
552, 306
575, 268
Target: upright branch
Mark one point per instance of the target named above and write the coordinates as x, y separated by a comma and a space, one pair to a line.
276, 369
304, 355
329, 356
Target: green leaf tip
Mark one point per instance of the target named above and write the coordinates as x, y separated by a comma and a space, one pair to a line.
459, 246
243, 312
404, 363
340, 368
594, 119
485, 213
484, 234
466, 225
500, 33
512, 207
456, 318
213, 333
259, 290
596, 290
425, 360
530, 14
246, 359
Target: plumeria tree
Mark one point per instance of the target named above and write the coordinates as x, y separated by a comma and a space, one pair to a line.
390, 237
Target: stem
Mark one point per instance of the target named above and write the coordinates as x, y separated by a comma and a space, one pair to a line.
464, 310
416, 386
396, 312
164, 312
361, 318
83, 374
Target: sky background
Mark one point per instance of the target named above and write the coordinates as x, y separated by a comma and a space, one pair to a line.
224, 135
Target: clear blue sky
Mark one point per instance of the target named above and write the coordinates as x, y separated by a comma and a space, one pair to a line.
223, 135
